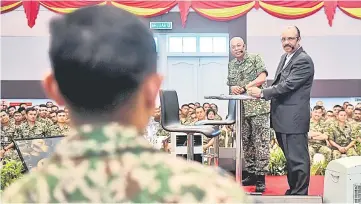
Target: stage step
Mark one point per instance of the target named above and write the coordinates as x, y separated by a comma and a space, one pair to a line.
288, 199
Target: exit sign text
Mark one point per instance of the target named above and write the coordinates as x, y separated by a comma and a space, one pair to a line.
160, 25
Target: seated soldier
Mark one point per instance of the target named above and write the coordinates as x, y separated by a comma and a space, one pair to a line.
31, 128
317, 139
183, 117
357, 128
341, 136
60, 128
7, 150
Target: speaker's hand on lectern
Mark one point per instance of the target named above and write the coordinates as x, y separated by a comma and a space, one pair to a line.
254, 91
236, 90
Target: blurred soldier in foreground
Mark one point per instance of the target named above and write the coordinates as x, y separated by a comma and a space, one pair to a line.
104, 70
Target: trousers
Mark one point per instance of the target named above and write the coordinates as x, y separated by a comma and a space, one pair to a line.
256, 139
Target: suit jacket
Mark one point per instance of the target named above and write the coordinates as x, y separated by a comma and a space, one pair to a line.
290, 94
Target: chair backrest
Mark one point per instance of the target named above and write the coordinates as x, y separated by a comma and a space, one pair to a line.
232, 110
169, 108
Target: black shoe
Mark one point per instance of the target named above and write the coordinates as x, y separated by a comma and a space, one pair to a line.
260, 183
250, 180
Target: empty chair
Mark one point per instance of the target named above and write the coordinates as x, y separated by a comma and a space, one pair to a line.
170, 121
230, 120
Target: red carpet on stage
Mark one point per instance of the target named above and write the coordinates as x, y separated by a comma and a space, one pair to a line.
277, 185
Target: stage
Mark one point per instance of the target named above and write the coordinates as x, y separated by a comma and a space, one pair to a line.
276, 187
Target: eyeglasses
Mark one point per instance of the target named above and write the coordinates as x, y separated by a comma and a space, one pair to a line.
289, 39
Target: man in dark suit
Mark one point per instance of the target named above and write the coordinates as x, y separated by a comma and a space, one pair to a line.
290, 108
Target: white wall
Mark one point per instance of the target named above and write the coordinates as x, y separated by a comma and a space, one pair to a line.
335, 50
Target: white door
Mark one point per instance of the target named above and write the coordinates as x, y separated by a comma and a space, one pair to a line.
212, 79
196, 77
182, 77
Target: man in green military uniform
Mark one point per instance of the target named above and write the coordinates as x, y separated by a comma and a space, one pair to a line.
60, 128
7, 150
31, 128
317, 139
104, 64
43, 116
248, 70
342, 137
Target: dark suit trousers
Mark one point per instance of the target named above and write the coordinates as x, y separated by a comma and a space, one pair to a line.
295, 149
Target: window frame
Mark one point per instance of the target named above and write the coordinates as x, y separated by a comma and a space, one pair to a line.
198, 52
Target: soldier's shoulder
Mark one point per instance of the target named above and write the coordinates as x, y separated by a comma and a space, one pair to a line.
22, 191
233, 61
330, 123
215, 184
254, 56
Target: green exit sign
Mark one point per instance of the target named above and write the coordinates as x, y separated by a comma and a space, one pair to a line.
160, 25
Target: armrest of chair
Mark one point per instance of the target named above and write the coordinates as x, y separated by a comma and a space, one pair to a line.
214, 122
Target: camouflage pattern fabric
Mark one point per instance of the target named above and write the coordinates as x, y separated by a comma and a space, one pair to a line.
225, 138
319, 146
7, 134
45, 121
320, 127
11, 154
350, 120
217, 117
57, 130
189, 121
256, 139
242, 73
185, 120
25, 131
162, 132
343, 136
321, 149
111, 163
350, 152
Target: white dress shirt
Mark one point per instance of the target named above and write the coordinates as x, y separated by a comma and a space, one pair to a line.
288, 57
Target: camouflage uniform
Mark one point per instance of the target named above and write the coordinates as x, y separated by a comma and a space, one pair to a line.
25, 131
45, 121
56, 130
162, 132
217, 117
357, 128
256, 127
7, 134
185, 120
225, 138
111, 164
317, 146
343, 137
189, 121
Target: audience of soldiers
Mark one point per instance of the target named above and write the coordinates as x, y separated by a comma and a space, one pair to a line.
333, 133
22, 122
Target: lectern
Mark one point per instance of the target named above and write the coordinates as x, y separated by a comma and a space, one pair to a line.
238, 124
